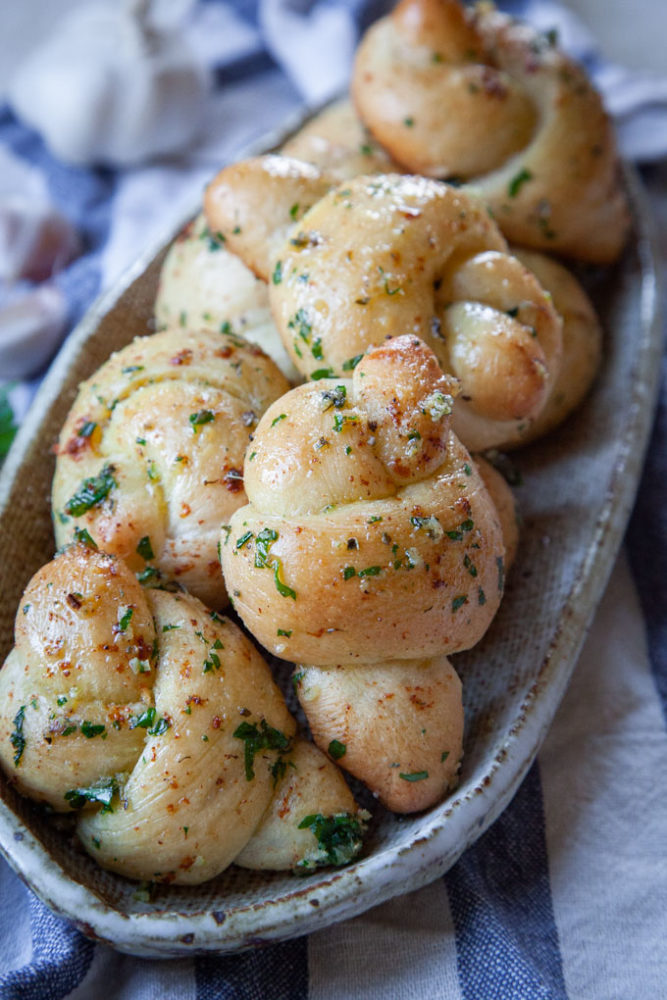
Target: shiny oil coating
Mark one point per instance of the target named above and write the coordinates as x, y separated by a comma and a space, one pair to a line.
127, 704
380, 539
369, 549
163, 427
475, 95
254, 203
383, 256
83, 657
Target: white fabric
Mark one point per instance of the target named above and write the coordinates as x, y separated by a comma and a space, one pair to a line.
404, 949
605, 815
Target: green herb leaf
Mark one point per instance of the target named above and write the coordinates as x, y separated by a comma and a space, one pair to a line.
518, 181
7, 426
339, 837
337, 749
91, 492
92, 729
83, 535
200, 418
265, 539
17, 739
101, 791
125, 617
256, 739
145, 549
414, 776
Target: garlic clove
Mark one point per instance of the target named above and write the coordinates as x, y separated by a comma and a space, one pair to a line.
31, 325
108, 88
36, 241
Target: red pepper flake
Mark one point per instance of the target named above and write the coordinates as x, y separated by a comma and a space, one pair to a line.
183, 357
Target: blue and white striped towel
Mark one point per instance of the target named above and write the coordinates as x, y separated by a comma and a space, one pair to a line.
566, 895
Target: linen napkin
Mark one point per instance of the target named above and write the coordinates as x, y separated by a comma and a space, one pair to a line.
566, 895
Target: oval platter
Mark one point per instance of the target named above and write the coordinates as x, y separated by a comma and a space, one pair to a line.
578, 486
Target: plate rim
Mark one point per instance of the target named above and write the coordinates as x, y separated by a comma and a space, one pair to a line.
450, 829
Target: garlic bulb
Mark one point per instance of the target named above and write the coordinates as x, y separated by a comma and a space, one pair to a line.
31, 325
112, 87
35, 240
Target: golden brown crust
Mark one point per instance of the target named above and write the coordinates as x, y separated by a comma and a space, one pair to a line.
311, 786
160, 722
365, 537
399, 725
505, 504
335, 141
255, 202
479, 96
382, 256
159, 432
582, 342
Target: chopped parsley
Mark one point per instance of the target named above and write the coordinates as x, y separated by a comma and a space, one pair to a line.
457, 534
7, 426
124, 617
277, 275
92, 729
337, 749
352, 363
469, 565
333, 397
518, 181
459, 601
339, 837
414, 776
17, 739
200, 418
145, 549
155, 726
101, 791
83, 536
265, 539
92, 492
256, 739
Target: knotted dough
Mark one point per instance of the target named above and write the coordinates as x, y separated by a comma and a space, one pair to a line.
150, 459
368, 551
160, 722
476, 96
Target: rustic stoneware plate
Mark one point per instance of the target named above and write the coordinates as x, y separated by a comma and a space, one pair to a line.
578, 488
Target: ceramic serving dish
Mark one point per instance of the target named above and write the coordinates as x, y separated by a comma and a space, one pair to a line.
578, 488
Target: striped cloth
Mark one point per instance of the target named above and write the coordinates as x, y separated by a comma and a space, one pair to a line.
566, 895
